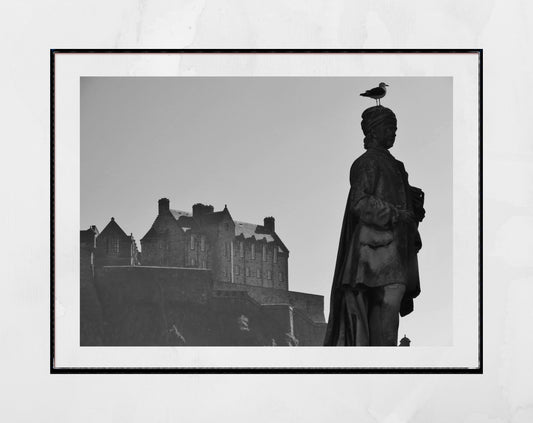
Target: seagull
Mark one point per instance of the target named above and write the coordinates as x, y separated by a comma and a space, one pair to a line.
376, 93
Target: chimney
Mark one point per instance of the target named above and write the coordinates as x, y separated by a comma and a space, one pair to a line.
200, 209
269, 224
164, 206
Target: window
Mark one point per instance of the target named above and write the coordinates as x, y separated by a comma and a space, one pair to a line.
280, 277
114, 246
192, 242
258, 274
241, 249
275, 254
269, 274
237, 270
202, 264
193, 261
202, 243
226, 249
264, 253
247, 271
253, 251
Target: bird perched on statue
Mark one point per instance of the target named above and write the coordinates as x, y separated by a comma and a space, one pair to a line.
376, 93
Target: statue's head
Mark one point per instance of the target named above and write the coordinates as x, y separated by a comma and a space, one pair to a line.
379, 127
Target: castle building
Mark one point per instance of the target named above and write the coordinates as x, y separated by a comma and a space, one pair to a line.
204, 280
235, 252
115, 248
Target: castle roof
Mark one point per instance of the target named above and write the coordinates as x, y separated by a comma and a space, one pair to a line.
184, 219
152, 233
178, 213
206, 216
211, 218
248, 230
187, 221
113, 227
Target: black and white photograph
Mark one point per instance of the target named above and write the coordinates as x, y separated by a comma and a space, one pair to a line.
212, 208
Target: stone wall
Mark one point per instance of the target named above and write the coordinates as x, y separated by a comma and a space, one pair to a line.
104, 257
257, 273
168, 250
307, 332
311, 304
91, 323
219, 238
146, 305
137, 302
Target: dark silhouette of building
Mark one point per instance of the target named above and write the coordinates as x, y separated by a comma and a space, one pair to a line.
114, 247
235, 252
204, 279
91, 324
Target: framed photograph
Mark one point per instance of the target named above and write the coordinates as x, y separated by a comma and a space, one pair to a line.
268, 211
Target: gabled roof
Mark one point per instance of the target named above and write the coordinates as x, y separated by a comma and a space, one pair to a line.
113, 227
152, 233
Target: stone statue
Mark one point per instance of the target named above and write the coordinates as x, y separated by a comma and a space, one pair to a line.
376, 273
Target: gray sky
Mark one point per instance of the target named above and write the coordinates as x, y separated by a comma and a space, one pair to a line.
271, 146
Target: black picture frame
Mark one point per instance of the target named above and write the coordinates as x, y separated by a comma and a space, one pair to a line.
263, 370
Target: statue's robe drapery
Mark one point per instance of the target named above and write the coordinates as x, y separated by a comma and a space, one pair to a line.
378, 244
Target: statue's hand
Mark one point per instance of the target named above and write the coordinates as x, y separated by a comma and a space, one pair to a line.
406, 216
417, 198
420, 213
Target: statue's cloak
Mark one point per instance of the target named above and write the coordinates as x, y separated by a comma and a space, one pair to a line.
378, 244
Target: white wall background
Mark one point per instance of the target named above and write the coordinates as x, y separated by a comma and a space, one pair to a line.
503, 394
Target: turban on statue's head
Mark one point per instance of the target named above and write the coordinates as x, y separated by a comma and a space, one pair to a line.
375, 116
